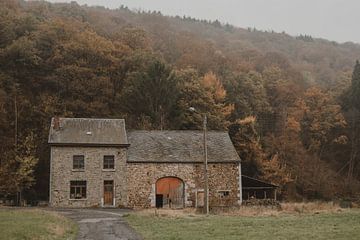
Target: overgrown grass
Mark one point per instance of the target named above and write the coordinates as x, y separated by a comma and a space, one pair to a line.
341, 225
35, 224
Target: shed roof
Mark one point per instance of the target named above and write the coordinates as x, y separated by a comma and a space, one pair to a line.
179, 147
87, 132
253, 183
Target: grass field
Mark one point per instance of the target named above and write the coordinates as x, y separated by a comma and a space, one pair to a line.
342, 225
16, 224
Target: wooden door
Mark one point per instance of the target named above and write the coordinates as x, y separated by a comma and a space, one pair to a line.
108, 192
200, 199
172, 191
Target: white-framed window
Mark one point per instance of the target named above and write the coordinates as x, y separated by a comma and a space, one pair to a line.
77, 189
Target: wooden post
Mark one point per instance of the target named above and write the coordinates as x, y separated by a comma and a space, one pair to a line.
275, 195
18, 195
206, 167
206, 180
16, 122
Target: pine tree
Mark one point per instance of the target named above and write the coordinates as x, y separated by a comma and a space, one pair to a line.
354, 120
355, 87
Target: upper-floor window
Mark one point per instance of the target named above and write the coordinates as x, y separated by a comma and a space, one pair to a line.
109, 162
78, 162
77, 189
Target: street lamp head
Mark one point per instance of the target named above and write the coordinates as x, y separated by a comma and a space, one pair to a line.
192, 109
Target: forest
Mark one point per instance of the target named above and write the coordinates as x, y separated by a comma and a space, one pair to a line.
291, 104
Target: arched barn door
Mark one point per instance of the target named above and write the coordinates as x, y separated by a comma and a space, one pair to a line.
169, 193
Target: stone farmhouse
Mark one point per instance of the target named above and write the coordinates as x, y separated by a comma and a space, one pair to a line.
97, 163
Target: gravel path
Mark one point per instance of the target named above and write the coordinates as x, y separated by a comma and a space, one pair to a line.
103, 224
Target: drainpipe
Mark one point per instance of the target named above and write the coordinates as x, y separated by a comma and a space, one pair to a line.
240, 184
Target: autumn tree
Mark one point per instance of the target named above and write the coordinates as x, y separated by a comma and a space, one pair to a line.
246, 91
322, 122
17, 173
255, 161
207, 95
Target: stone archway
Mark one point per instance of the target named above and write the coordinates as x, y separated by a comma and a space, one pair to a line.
170, 193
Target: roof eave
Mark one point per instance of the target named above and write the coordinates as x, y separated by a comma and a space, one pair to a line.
89, 145
185, 162
272, 185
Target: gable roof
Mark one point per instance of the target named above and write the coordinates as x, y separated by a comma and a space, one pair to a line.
179, 147
87, 132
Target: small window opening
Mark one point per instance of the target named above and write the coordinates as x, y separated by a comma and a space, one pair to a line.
78, 162
223, 193
109, 162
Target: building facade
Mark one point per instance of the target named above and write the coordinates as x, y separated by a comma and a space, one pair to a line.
97, 163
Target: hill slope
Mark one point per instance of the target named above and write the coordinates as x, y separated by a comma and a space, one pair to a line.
277, 95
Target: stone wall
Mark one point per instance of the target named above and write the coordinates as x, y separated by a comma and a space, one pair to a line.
61, 173
142, 177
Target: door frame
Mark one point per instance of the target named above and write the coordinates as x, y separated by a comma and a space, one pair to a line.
113, 194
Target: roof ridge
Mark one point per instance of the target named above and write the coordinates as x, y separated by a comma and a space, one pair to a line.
176, 130
100, 119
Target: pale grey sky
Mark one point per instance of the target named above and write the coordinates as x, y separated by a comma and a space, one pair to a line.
331, 19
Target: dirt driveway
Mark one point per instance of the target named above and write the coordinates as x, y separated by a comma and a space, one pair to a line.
101, 224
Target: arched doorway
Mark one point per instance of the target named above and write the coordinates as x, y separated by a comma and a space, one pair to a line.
170, 193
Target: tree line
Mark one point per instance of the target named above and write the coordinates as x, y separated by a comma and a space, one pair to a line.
290, 124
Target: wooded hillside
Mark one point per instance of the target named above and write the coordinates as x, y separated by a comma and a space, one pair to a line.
291, 104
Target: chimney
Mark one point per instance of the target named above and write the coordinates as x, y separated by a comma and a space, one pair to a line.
56, 125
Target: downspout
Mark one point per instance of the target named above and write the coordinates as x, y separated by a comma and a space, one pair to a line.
50, 176
240, 185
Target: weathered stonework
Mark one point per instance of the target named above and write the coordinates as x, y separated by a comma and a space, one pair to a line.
142, 177
61, 173
141, 159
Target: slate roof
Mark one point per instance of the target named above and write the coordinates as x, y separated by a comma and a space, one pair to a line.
179, 147
87, 132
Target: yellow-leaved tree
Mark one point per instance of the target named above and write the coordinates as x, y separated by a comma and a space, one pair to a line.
207, 95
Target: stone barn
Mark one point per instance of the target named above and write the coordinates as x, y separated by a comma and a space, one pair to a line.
97, 163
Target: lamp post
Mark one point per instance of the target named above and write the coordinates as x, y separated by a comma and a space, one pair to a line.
206, 178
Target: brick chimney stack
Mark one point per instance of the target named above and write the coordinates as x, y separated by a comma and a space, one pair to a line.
56, 125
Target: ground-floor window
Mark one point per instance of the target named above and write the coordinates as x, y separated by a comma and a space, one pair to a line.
223, 193
77, 189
